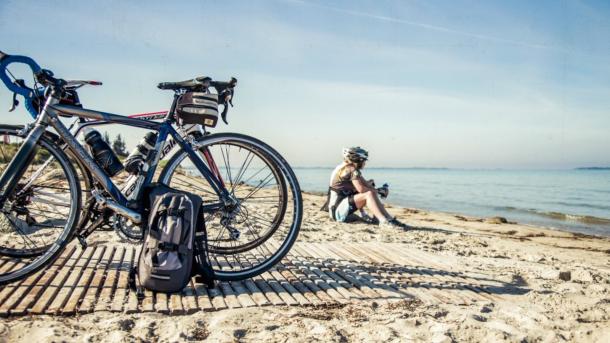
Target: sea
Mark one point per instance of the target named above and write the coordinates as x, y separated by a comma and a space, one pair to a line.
570, 200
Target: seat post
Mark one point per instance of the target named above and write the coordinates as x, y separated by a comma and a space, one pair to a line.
172, 110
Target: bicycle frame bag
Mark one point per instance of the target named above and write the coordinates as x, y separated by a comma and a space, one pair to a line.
198, 108
166, 260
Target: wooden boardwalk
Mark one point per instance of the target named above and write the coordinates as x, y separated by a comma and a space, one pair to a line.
313, 274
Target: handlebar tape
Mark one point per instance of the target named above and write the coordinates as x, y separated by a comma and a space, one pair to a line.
5, 60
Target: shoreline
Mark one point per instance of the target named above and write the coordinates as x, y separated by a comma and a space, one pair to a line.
542, 226
552, 286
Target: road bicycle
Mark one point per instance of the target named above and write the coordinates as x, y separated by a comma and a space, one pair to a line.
54, 189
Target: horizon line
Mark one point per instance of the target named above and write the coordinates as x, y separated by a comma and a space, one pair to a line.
457, 168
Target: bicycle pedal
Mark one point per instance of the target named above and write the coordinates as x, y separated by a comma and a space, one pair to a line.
234, 234
82, 241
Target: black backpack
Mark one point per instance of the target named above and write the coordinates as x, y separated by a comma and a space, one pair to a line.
165, 263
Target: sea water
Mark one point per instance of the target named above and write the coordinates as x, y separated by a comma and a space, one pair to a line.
570, 200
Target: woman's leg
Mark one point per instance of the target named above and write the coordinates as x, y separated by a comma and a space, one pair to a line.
371, 200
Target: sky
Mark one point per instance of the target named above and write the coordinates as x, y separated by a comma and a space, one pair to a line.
458, 84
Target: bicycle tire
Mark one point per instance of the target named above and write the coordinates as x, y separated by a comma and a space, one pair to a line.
275, 222
85, 214
51, 251
258, 264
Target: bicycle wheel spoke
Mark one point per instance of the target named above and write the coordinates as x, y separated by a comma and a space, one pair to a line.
191, 185
227, 163
258, 209
250, 178
37, 173
23, 235
40, 211
258, 187
242, 170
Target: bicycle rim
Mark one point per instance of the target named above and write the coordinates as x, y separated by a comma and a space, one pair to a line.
39, 216
269, 226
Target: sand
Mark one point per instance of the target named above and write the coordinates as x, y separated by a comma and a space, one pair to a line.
574, 307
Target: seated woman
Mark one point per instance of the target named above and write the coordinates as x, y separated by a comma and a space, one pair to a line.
349, 191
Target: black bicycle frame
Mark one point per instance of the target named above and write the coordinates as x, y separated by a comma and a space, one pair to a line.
50, 116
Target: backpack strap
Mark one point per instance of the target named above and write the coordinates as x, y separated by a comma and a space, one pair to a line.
134, 281
172, 212
167, 246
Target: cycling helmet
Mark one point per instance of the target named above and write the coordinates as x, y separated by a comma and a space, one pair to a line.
355, 154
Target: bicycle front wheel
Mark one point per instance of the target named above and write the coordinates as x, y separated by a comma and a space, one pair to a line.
38, 217
251, 236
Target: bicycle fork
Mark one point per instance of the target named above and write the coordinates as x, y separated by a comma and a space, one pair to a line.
18, 165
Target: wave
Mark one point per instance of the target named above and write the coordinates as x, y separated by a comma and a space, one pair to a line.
586, 219
584, 205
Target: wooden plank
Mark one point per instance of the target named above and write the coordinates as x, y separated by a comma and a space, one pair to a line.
161, 302
122, 286
175, 304
229, 295
203, 299
97, 281
148, 303
297, 279
242, 294
216, 298
43, 282
364, 277
453, 285
56, 284
378, 268
256, 294
427, 280
81, 287
316, 267
380, 272
364, 272
62, 297
105, 298
261, 282
132, 298
415, 284
16, 291
329, 266
466, 284
7, 290
286, 284
319, 296
3, 260
347, 271
189, 298
287, 292
305, 267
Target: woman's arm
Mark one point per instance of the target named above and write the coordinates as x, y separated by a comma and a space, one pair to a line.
361, 185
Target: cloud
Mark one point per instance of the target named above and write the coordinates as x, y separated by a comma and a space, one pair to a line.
426, 26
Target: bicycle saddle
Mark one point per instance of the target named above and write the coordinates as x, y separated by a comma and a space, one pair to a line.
194, 84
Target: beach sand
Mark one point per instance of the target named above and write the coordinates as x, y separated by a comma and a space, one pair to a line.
574, 307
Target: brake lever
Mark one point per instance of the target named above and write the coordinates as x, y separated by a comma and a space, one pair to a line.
227, 100
223, 115
15, 103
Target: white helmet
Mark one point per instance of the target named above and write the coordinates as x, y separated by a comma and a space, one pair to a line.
355, 154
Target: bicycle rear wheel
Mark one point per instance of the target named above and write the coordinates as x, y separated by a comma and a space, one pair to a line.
38, 217
250, 237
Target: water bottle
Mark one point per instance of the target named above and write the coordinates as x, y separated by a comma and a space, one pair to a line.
383, 190
102, 153
135, 160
